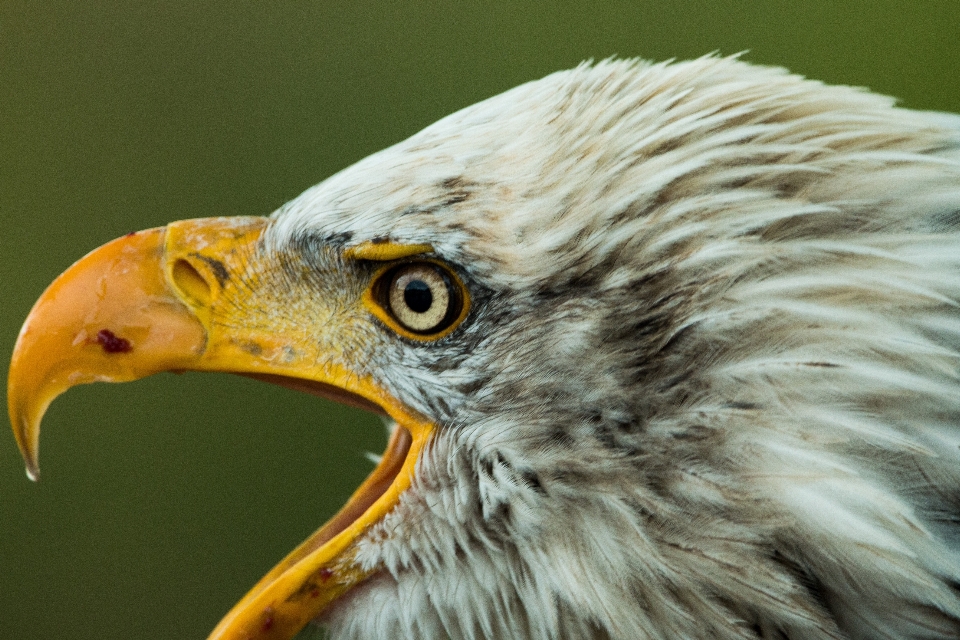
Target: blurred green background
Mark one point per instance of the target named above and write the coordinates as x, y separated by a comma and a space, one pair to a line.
164, 500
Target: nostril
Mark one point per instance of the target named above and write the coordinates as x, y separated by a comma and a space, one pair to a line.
190, 282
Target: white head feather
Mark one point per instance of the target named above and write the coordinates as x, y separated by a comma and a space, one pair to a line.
709, 383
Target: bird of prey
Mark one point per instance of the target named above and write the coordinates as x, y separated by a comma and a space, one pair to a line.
672, 351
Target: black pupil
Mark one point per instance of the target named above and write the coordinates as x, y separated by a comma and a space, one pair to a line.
417, 296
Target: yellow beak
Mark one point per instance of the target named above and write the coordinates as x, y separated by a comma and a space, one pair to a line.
189, 296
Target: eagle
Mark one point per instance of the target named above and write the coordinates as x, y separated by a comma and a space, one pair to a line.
668, 350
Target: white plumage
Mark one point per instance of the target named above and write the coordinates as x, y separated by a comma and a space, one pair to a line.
710, 389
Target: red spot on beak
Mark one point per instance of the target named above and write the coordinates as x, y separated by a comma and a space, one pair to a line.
267, 621
325, 574
112, 343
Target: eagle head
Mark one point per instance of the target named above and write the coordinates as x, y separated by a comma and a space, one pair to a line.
669, 351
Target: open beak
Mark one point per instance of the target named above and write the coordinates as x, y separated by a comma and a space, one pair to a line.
185, 297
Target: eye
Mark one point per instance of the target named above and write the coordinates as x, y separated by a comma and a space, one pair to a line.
423, 298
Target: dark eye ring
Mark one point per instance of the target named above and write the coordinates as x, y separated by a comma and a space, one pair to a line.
424, 298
